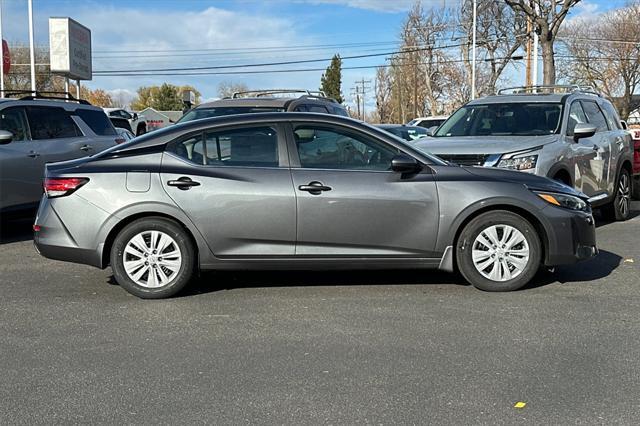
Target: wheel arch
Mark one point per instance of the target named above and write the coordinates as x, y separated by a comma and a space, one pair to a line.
462, 222
122, 223
561, 169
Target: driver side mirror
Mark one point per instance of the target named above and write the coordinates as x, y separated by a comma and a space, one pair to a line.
583, 130
135, 115
432, 130
5, 137
624, 125
403, 163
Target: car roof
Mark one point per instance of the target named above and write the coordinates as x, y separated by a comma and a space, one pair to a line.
432, 117
398, 126
68, 105
249, 102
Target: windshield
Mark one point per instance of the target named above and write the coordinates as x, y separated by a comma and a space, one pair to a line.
504, 119
198, 113
407, 133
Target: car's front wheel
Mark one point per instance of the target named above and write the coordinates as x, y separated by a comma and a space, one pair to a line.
498, 251
153, 258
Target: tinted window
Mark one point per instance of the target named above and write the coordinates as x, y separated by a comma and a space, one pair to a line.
338, 110
51, 123
611, 115
97, 121
595, 116
576, 116
15, 121
198, 113
327, 148
254, 147
318, 108
504, 119
430, 123
407, 133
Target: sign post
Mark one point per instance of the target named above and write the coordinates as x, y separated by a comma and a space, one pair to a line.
70, 50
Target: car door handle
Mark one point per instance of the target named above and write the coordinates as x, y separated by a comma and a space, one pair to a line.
314, 188
183, 183
86, 148
33, 154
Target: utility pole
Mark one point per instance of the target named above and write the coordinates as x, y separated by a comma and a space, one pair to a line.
528, 63
2, 51
359, 91
32, 52
473, 52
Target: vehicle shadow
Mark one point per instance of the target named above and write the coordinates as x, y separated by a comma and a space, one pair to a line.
602, 221
15, 230
599, 267
215, 281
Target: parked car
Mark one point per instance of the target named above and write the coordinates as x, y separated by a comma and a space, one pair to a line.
428, 122
125, 135
566, 133
408, 133
635, 138
255, 101
35, 131
137, 123
301, 191
120, 123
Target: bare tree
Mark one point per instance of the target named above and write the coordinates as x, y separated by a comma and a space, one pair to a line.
383, 86
500, 33
611, 60
547, 17
228, 88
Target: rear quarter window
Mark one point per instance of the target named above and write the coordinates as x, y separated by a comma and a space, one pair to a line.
51, 123
97, 121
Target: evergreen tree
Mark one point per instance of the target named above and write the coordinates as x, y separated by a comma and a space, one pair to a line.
332, 79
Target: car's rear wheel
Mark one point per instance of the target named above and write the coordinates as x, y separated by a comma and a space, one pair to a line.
153, 258
620, 207
498, 251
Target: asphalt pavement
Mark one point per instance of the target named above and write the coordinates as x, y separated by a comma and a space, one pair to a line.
360, 347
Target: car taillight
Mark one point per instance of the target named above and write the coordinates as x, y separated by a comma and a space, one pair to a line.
120, 140
59, 187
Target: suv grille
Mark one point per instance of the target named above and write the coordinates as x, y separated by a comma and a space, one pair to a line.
465, 159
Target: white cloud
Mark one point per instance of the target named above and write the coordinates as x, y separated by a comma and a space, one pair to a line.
391, 6
584, 10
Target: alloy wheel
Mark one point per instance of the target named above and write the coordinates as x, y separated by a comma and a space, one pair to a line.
152, 259
624, 195
500, 252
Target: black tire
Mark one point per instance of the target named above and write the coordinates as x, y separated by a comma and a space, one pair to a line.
620, 207
466, 241
178, 279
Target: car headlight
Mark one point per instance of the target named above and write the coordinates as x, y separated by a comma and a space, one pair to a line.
563, 200
527, 162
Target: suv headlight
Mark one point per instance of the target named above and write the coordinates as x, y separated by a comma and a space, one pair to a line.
527, 162
566, 201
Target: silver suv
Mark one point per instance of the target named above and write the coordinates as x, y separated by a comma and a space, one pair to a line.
35, 131
568, 133
269, 100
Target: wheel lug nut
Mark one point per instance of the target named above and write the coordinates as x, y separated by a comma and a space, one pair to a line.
146, 263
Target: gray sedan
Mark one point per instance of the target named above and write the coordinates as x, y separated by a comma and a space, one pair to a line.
301, 191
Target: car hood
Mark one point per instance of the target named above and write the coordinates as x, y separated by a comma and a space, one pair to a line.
481, 144
531, 181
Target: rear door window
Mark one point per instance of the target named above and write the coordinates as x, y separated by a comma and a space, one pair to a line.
14, 120
595, 116
97, 121
51, 123
245, 147
611, 115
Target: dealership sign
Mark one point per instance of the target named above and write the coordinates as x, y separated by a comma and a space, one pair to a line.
70, 48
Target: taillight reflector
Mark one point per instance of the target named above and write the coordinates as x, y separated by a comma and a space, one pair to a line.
58, 187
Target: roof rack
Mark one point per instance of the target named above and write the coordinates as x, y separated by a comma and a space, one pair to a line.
52, 95
548, 89
270, 92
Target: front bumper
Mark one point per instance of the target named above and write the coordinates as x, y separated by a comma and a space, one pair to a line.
571, 236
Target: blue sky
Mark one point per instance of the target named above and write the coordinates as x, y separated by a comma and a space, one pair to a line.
178, 33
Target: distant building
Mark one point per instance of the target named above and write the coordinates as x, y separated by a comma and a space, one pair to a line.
158, 119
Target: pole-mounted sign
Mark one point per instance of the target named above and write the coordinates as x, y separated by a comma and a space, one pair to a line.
70, 48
